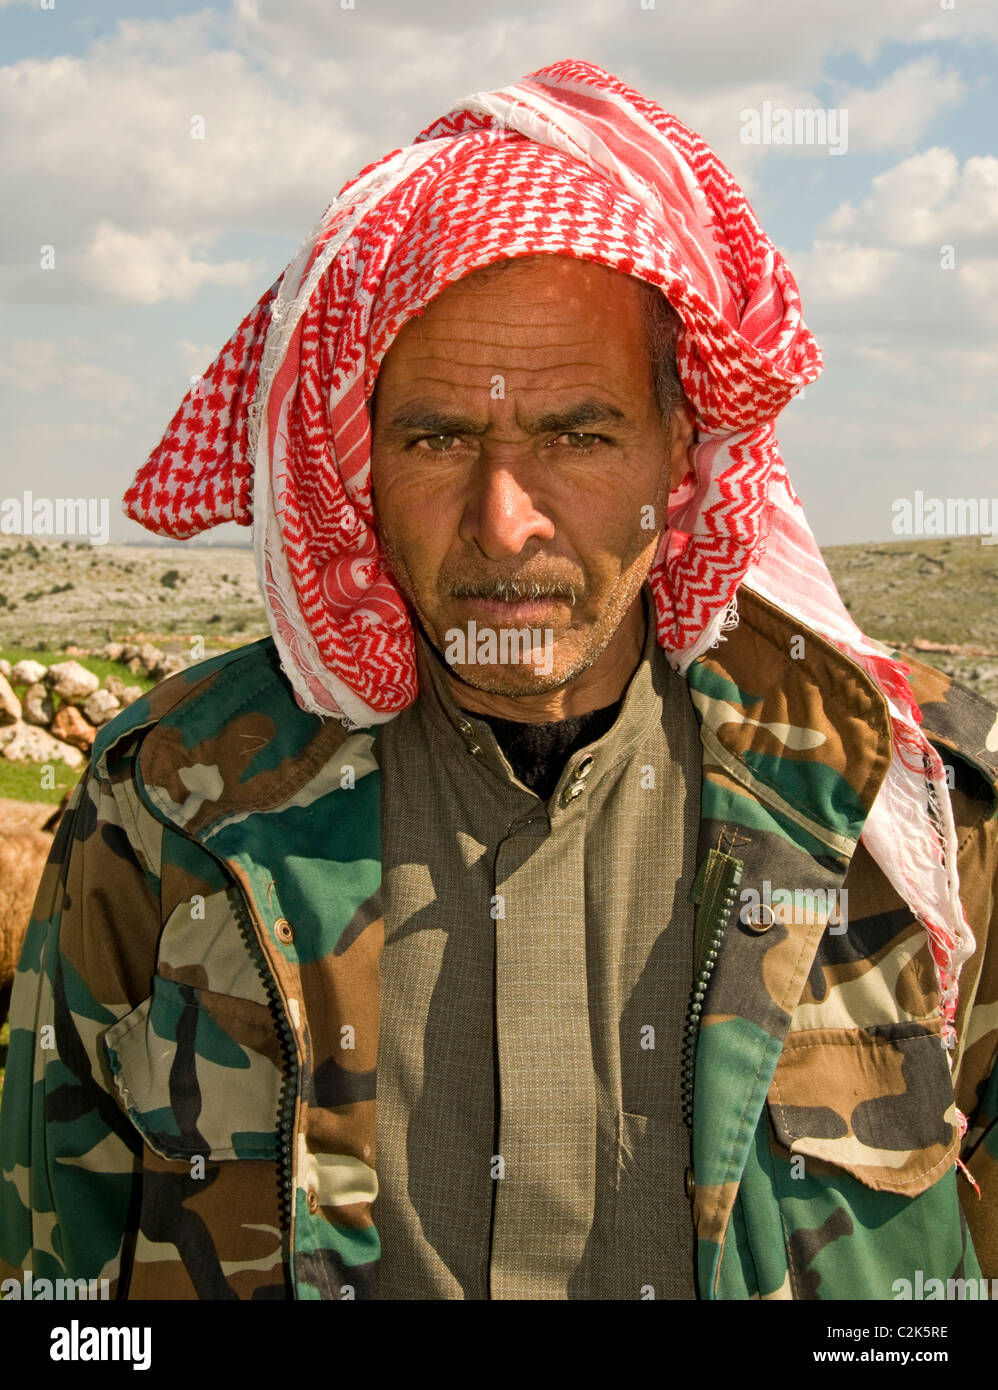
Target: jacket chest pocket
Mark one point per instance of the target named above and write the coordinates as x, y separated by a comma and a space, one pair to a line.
875, 1102
199, 1073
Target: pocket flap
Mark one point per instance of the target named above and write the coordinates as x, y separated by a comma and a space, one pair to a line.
199, 1073
875, 1102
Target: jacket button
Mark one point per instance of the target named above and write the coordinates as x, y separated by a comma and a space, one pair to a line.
759, 918
312, 1200
689, 1185
284, 931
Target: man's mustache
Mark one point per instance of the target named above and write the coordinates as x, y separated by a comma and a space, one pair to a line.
517, 590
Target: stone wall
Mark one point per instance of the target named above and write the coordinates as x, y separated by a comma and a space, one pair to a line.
48, 713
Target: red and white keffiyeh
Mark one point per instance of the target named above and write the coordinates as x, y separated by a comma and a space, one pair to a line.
568, 162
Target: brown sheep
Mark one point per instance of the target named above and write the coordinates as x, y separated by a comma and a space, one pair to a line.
23, 855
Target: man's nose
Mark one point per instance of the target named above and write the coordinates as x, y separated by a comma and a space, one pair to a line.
501, 512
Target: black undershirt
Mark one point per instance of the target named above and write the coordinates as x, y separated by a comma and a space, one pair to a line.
537, 752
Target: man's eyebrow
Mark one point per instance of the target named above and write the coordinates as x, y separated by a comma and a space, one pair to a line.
573, 416
417, 416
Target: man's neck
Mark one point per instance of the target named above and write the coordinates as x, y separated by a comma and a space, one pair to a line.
599, 685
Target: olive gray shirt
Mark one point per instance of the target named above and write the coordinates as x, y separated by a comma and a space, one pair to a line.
534, 984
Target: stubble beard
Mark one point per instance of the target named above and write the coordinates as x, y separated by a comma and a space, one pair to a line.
523, 680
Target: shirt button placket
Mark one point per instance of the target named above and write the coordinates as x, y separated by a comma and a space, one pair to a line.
547, 1110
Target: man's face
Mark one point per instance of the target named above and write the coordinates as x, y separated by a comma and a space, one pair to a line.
521, 467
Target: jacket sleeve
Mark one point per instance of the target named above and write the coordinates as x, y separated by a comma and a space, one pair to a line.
977, 1039
70, 1160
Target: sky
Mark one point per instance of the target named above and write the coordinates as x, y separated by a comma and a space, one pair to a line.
161, 164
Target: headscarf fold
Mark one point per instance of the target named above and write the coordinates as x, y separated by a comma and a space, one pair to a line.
568, 162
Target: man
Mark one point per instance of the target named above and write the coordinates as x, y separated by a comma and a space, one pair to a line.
566, 799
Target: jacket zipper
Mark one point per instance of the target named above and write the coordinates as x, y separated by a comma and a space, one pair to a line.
286, 1103
714, 890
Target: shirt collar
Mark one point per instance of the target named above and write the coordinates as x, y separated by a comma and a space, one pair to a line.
652, 683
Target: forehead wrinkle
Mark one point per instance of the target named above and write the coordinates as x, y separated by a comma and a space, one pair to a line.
514, 315
444, 347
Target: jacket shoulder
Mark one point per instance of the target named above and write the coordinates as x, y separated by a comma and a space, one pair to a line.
204, 693
224, 737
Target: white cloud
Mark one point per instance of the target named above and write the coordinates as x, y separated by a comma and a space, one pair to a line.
106, 142
891, 116
839, 271
114, 136
914, 258
896, 114
911, 346
156, 266
715, 44
34, 366
926, 200
70, 415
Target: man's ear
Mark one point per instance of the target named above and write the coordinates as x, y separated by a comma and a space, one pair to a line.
682, 435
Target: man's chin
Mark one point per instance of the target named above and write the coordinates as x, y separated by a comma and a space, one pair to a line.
511, 681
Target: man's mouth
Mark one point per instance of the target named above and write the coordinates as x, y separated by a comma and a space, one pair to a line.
514, 602
504, 614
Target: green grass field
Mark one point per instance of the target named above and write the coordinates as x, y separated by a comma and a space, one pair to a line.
23, 781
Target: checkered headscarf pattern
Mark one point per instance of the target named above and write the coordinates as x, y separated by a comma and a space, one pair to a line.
567, 162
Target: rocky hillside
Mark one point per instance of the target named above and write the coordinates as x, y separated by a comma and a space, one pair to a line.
937, 599
54, 594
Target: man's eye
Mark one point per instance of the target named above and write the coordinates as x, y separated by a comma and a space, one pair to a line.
438, 443
580, 441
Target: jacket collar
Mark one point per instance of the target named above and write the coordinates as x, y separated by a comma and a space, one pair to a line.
236, 713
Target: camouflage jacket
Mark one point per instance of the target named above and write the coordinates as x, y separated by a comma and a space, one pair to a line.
189, 1108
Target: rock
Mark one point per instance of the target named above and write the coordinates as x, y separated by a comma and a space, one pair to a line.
72, 682
10, 705
129, 652
167, 667
28, 673
112, 652
135, 665
150, 656
101, 706
33, 745
5, 667
38, 706
127, 694
76, 651
70, 725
